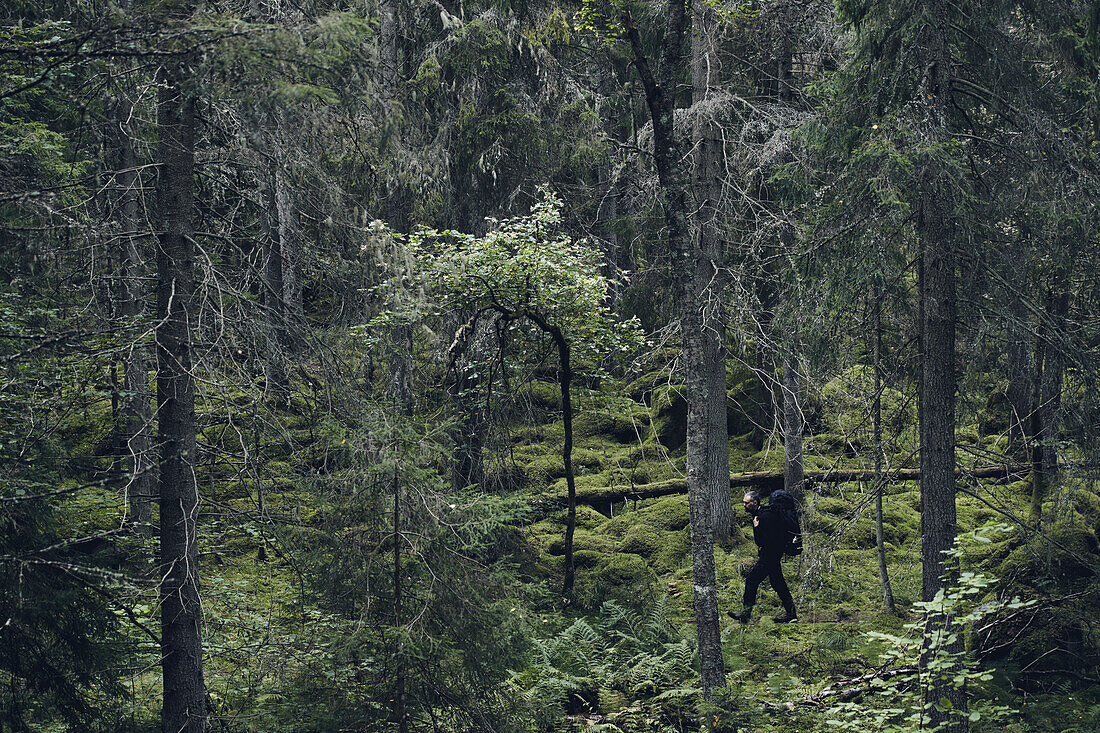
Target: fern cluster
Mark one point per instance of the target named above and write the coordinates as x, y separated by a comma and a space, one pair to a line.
622, 670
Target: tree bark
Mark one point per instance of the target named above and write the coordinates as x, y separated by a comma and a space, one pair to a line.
181, 613
936, 412
673, 181
565, 379
706, 174
880, 480
275, 357
1046, 414
1020, 366
290, 245
136, 417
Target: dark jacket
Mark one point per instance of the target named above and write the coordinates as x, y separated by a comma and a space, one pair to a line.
770, 534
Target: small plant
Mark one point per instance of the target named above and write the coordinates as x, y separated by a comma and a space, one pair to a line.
927, 655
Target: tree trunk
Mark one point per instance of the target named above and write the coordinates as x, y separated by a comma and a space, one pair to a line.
1045, 416
137, 418
880, 480
275, 357
706, 174
793, 472
290, 245
181, 611
936, 410
1020, 368
1054, 368
673, 181
565, 379
400, 712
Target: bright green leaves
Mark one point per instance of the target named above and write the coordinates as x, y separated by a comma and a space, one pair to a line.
526, 269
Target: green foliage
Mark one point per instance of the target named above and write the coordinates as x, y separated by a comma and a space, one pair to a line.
525, 269
630, 666
463, 627
930, 654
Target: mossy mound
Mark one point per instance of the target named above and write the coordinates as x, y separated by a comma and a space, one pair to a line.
541, 395
669, 513
642, 388
624, 425
643, 540
586, 558
621, 577
1070, 556
670, 424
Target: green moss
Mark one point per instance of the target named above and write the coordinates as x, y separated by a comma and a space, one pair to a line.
625, 578
674, 552
641, 539
668, 513
670, 425
625, 425
543, 395
586, 558
642, 388
618, 526
582, 540
834, 506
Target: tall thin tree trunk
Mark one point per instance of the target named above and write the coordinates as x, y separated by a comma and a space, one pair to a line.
937, 399
674, 183
275, 356
565, 380
181, 612
1048, 399
793, 471
137, 418
290, 244
1054, 370
706, 175
1020, 369
400, 712
880, 480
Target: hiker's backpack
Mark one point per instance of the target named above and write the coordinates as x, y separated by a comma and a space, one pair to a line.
787, 508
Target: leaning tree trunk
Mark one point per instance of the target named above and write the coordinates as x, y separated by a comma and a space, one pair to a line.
706, 174
180, 607
674, 182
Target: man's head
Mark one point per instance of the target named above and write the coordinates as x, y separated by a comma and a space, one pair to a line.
751, 501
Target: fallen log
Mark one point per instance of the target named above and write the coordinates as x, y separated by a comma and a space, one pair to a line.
770, 480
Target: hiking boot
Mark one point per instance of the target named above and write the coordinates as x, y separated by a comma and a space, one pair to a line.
786, 617
743, 616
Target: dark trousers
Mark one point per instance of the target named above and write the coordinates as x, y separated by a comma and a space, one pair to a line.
769, 566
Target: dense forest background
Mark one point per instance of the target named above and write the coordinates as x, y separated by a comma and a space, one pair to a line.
398, 365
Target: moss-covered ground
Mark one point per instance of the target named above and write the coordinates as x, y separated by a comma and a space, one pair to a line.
632, 605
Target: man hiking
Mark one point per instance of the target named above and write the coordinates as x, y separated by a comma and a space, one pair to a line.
773, 535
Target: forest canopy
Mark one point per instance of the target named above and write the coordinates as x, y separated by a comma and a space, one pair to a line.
400, 365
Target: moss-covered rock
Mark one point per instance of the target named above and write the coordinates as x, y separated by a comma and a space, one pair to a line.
642, 388
541, 395
622, 577
586, 558
624, 425
1069, 557
669, 513
670, 424
643, 540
